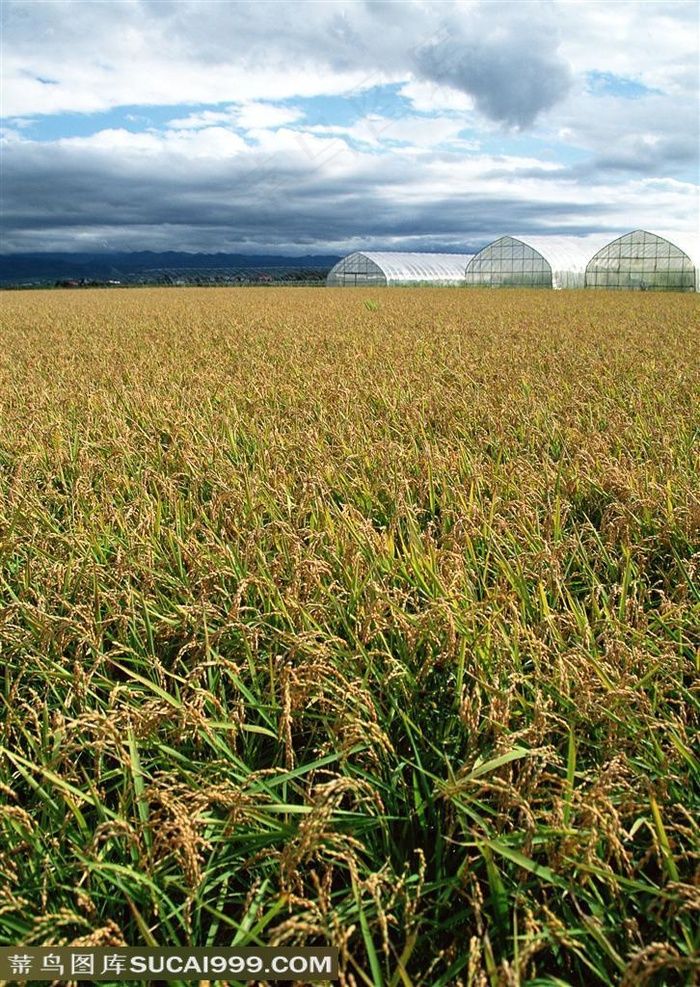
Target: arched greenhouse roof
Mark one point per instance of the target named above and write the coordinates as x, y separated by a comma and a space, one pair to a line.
647, 261
534, 261
389, 267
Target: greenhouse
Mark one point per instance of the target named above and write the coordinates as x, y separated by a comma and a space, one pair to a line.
644, 261
533, 262
389, 268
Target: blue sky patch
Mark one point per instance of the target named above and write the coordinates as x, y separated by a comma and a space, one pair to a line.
347, 108
134, 118
609, 84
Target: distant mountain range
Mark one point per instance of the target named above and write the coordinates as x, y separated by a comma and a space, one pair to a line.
46, 267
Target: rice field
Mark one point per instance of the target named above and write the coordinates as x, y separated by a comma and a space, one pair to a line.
357, 618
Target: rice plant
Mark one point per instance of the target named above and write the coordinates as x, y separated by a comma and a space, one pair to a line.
326, 622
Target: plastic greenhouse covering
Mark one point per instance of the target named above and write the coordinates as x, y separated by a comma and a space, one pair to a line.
646, 261
639, 260
533, 262
387, 268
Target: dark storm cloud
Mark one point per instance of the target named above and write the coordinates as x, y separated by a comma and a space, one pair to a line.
71, 194
513, 74
638, 155
656, 137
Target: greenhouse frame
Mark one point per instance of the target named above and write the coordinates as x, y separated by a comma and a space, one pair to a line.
533, 262
644, 261
380, 268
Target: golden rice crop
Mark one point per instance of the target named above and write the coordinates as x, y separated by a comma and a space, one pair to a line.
368, 619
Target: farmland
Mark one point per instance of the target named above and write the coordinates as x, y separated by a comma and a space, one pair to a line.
353, 618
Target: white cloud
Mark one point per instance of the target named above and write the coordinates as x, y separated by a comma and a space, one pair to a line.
211, 142
262, 116
654, 43
248, 116
420, 131
425, 97
206, 118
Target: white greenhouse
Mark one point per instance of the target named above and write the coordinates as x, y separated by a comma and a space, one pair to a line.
389, 268
533, 262
646, 261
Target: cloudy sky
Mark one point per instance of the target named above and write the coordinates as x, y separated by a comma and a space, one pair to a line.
335, 125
